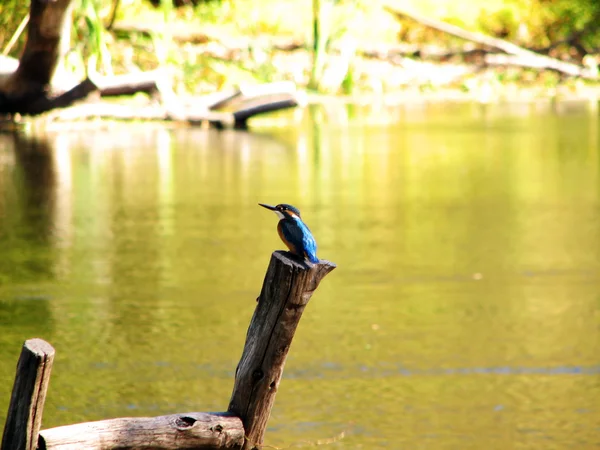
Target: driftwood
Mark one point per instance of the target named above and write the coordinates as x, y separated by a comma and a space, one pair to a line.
230, 108
286, 290
177, 431
288, 286
150, 82
500, 59
534, 59
28, 396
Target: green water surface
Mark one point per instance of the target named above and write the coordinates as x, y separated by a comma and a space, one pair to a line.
464, 312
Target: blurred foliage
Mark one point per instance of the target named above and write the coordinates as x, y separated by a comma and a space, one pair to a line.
334, 22
545, 23
561, 27
90, 39
11, 14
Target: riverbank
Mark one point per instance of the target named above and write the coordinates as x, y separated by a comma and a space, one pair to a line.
171, 58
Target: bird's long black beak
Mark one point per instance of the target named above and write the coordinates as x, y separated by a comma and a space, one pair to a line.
272, 208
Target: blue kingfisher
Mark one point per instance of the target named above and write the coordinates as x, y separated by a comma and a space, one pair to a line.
293, 232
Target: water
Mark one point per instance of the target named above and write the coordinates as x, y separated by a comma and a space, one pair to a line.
464, 312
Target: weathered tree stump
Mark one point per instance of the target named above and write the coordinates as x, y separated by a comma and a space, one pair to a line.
28, 396
287, 288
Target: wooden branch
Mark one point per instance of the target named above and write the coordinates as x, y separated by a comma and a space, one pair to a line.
28, 396
241, 104
541, 61
105, 110
501, 59
219, 100
193, 430
263, 106
16, 35
39, 103
287, 288
130, 83
262, 92
250, 101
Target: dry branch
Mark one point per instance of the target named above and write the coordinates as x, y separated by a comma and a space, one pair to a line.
176, 431
130, 83
232, 108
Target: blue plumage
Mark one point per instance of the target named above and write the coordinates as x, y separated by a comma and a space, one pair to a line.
294, 233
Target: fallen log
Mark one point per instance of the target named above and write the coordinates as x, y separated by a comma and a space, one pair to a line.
193, 430
536, 59
227, 109
148, 82
500, 59
231, 109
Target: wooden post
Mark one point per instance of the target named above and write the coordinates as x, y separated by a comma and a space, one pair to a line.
287, 288
28, 396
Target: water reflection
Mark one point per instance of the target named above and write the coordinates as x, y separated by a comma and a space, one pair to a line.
28, 215
28, 208
463, 313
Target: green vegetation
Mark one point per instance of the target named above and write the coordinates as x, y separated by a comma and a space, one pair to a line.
233, 42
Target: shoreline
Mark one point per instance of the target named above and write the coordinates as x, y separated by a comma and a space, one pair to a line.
337, 110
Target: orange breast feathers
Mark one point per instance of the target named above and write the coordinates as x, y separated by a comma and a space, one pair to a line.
289, 245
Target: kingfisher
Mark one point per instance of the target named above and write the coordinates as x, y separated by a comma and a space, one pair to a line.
293, 232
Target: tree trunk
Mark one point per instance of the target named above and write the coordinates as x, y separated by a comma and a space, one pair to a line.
31, 81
